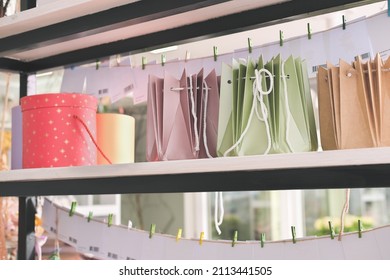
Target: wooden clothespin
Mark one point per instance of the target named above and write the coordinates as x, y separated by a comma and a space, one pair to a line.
89, 218
250, 45
215, 51
109, 219
235, 237
178, 235
201, 238
262, 240
72, 208
281, 38
344, 23
331, 230
152, 230
294, 235
308, 31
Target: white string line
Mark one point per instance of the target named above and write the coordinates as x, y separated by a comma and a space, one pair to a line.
344, 212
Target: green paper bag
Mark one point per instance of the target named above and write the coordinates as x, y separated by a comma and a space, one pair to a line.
309, 108
288, 109
255, 129
225, 121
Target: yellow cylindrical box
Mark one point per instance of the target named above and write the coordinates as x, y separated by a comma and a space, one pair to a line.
115, 137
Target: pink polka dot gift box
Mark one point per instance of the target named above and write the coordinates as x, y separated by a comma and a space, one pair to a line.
59, 130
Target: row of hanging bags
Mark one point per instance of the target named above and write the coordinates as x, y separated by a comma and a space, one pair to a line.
182, 116
353, 102
265, 108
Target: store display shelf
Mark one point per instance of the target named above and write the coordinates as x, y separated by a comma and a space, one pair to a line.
138, 26
312, 170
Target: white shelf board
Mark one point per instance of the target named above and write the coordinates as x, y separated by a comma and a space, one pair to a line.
340, 158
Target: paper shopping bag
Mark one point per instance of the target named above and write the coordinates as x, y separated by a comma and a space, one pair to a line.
304, 87
384, 76
240, 98
256, 131
154, 121
366, 96
301, 138
288, 135
354, 123
373, 90
335, 89
176, 129
326, 111
210, 101
225, 119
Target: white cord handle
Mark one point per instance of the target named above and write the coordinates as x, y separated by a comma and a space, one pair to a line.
218, 195
257, 89
194, 116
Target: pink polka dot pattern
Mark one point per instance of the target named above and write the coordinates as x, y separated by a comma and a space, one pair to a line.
52, 137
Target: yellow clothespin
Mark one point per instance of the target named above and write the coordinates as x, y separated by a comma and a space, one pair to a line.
178, 235
201, 238
152, 230
235, 237
89, 218
72, 208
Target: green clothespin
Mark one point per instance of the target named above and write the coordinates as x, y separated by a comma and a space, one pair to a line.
331, 230
344, 23
143, 63
152, 230
388, 10
360, 228
89, 218
308, 31
250, 45
262, 240
97, 64
56, 253
235, 236
281, 38
215, 51
163, 59
72, 208
109, 218
178, 235
294, 235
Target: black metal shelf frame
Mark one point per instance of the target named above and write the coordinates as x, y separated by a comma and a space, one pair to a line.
143, 11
